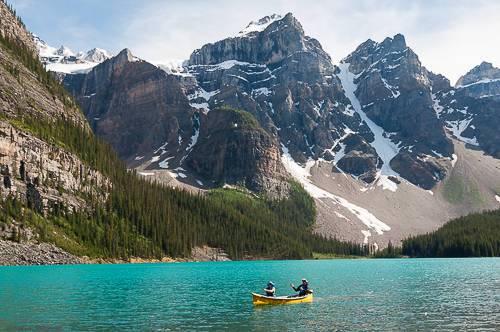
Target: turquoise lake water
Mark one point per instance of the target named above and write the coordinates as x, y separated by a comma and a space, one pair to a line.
350, 295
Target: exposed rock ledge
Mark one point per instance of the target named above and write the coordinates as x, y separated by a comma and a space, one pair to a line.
208, 254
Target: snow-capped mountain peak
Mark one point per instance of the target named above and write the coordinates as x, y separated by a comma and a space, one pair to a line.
96, 55
64, 51
64, 60
260, 25
479, 74
43, 48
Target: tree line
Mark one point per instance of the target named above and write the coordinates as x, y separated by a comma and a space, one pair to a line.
474, 235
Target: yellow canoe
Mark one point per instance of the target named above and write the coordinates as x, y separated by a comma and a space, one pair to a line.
262, 299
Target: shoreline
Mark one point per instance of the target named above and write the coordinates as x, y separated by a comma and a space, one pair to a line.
38, 254
47, 254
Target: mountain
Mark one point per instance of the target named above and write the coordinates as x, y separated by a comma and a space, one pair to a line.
470, 111
378, 141
64, 186
393, 90
64, 60
133, 105
481, 81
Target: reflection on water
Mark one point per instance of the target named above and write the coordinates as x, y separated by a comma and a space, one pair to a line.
354, 295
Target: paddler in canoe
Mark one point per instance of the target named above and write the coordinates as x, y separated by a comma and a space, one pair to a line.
270, 290
305, 295
303, 288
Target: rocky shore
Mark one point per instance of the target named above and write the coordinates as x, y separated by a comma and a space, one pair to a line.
13, 253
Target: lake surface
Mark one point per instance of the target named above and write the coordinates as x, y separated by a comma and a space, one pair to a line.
350, 295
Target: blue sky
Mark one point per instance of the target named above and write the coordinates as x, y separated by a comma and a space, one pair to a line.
450, 36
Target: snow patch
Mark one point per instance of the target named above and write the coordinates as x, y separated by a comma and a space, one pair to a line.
261, 91
458, 127
340, 215
436, 105
386, 183
483, 81
260, 25
386, 149
339, 154
200, 106
71, 68
437, 153
394, 91
302, 175
194, 139
366, 234
146, 173
164, 163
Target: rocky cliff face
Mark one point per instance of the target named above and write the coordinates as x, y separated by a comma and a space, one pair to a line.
133, 105
40, 173
45, 176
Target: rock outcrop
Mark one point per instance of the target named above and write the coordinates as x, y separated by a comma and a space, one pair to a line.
45, 176
234, 149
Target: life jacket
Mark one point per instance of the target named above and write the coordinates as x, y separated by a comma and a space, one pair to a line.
303, 288
269, 291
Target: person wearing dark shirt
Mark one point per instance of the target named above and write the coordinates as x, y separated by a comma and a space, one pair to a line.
303, 288
270, 289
